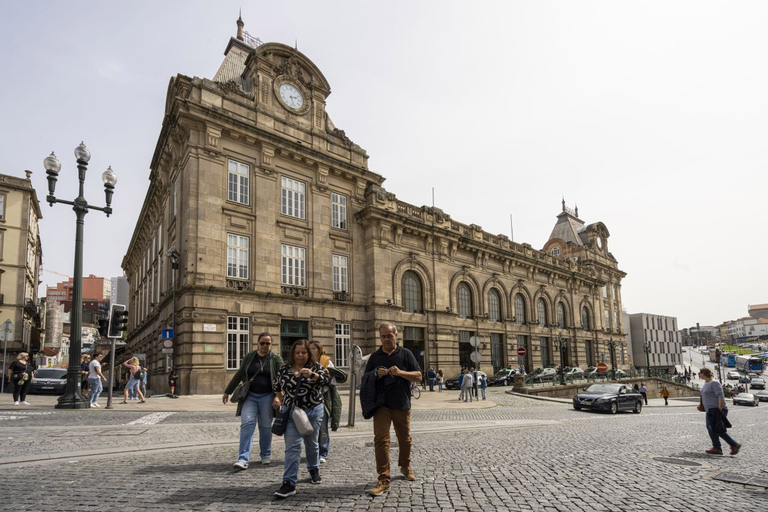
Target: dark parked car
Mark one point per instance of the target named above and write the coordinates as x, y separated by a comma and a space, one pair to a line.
610, 398
49, 380
452, 383
762, 395
757, 384
503, 377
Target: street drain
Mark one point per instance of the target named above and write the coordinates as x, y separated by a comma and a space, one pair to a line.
738, 478
679, 462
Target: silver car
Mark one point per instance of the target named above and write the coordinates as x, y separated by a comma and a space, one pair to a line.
746, 399
49, 380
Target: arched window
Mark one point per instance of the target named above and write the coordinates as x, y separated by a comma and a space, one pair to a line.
560, 315
541, 312
519, 309
464, 300
494, 306
585, 319
412, 292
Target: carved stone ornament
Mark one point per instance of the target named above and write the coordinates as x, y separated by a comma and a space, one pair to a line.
292, 69
230, 86
331, 129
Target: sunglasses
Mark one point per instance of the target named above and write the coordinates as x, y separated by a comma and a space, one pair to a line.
265, 343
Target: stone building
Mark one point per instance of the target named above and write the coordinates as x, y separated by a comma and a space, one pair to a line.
262, 215
655, 341
21, 256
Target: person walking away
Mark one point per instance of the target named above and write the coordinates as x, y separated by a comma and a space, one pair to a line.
21, 377
84, 372
95, 379
431, 377
143, 384
473, 371
133, 381
483, 384
467, 383
439, 380
331, 401
173, 378
300, 385
665, 395
393, 360
258, 371
644, 391
712, 402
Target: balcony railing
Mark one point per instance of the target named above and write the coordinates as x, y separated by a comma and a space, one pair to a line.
341, 296
293, 290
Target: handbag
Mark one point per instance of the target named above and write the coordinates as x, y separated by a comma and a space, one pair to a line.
281, 421
241, 391
301, 420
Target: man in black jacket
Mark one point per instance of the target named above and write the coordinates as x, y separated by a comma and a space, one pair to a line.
394, 361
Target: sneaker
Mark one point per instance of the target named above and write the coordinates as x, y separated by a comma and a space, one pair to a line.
94, 404
240, 465
715, 451
380, 489
735, 449
323, 460
25, 403
285, 490
16, 402
314, 474
408, 473
266, 461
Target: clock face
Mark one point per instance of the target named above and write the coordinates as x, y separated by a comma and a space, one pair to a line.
291, 96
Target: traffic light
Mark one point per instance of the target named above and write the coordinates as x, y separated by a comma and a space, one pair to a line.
103, 327
118, 321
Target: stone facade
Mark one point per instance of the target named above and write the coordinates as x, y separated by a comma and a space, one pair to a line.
278, 225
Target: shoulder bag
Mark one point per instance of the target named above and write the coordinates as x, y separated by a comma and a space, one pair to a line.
241, 391
281, 420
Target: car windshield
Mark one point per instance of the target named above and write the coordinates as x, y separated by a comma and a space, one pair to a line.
502, 373
51, 374
603, 388
746, 396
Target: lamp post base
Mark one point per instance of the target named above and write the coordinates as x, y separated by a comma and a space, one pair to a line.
73, 401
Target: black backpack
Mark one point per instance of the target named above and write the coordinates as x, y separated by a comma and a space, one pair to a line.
139, 375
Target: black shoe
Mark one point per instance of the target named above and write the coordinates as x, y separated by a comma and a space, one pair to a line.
286, 490
315, 475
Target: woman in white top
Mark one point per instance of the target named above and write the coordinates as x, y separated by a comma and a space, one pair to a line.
94, 378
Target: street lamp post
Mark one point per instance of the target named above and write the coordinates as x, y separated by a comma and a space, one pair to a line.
612, 347
561, 344
73, 398
647, 349
174, 256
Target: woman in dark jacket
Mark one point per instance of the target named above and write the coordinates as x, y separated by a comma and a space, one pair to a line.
21, 376
259, 371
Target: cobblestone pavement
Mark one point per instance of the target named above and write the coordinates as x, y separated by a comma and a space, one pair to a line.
518, 454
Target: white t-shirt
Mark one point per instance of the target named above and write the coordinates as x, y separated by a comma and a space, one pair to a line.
93, 367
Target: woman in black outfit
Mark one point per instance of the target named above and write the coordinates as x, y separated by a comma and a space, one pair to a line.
21, 376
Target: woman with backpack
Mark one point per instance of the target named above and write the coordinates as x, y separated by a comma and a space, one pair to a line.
21, 375
133, 381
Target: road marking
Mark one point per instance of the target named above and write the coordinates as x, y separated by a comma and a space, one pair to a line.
151, 419
19, 415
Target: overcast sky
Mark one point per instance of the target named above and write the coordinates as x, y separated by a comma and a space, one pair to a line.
650, 116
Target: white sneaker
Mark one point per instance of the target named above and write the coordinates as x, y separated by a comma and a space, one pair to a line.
323, 460
240, 465
16, 402
94, 404
25, 403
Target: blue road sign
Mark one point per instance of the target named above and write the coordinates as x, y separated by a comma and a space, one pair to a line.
167, 334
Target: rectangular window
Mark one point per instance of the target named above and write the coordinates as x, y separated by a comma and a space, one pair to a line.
340, 273
238, 182
497, 354
465, 349
2, 206
237, 340
343, 343
293, 266
237, 256
605, 291
292, 198
588, 352
173, 201
544, 349
607, 319
338, 211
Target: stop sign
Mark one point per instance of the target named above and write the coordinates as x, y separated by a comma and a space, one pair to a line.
521, 351
602, 367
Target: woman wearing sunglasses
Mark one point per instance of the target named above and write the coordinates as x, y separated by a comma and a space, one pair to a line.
259, 371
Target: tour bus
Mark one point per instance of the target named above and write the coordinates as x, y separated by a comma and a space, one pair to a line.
728, 359
749, 363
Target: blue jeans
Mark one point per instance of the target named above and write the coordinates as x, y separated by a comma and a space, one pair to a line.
324, 438
716, 437
432, 384
93, 394
257, 406
293, 445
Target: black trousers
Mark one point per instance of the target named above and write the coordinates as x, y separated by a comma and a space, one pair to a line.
20, 390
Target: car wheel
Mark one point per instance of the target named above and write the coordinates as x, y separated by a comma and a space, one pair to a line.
614, 407
577, 407
638, 407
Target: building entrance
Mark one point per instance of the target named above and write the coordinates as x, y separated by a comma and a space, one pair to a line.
290, 331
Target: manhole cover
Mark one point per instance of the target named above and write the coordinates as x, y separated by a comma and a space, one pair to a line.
679, 462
